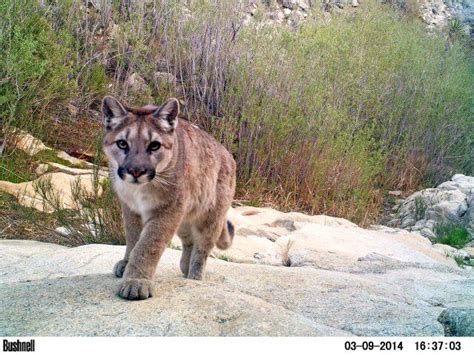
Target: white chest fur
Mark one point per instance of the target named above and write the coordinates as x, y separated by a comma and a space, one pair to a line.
138, 198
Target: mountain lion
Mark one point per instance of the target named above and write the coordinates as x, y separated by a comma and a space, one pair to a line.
171, 177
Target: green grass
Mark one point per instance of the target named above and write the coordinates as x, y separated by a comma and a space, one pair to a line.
451, 234
16, 167
462, 262
459, 260
50, 155
456, 26
175, 247
225, 258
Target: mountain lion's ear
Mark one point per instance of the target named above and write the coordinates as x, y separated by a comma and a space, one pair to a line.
167, 114
114, 112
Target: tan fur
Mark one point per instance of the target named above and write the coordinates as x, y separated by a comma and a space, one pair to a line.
186, 187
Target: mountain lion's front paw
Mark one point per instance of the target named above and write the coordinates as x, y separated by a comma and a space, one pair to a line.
119, 268
136, 289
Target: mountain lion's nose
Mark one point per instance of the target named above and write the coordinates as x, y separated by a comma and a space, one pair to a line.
136, 172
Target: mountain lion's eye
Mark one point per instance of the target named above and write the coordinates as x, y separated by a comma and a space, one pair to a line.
122, 144
154, 145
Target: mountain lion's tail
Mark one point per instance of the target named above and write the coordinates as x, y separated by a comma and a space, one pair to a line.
227, 235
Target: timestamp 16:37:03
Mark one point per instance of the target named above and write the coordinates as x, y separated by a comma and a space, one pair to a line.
398, 345
438, 345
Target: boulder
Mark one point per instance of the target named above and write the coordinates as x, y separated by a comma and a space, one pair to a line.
103, 172
469, 216
32, 146
296, 4
278, 16
27, 143
137, 86
452, 202
289, 4
60, 178
74, 161
460, 182
59, 185
434, 13
164, 79
469, 251
267, 236
451, 251
296, 17
458, 322
41, 169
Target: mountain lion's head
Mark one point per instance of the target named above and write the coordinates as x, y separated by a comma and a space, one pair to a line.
139, 141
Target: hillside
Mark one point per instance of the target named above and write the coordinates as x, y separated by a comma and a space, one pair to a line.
359, 98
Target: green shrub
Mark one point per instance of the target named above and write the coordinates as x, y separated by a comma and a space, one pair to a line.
95, 218
456, 28
33, 66
452, 234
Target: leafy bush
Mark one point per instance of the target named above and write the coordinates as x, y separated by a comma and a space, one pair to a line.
33, 66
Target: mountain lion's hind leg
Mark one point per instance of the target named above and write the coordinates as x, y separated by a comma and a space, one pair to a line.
186, 237
205, 237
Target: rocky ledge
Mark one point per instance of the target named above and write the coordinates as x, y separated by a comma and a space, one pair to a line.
449, 205
287, 274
